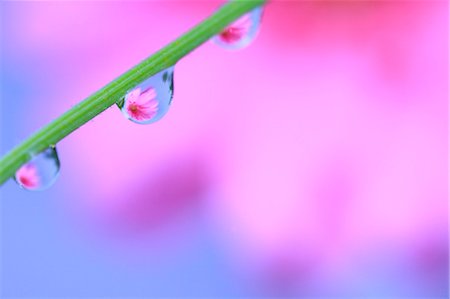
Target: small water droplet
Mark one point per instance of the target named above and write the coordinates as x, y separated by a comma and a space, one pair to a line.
241, 32
149, 101
40, 172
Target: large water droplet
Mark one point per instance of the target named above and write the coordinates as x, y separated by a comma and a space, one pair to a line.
40, 172
241, 32
149, 101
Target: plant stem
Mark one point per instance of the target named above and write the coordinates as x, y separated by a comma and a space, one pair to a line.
115, 90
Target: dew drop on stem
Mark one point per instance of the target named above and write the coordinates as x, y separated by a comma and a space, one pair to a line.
149, 101
240, 33
40, 172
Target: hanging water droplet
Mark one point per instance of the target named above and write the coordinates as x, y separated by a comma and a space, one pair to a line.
149, 101
241, 32
40, 172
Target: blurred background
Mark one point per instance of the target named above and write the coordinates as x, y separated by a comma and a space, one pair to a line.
313, 163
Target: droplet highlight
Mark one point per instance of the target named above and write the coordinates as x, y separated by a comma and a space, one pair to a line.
40, 172
241, 32
149, 101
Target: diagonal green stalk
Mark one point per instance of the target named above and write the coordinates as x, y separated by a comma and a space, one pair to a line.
111, 93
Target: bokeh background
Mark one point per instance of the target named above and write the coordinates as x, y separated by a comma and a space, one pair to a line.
313, 163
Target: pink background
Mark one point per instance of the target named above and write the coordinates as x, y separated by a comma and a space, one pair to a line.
314, 162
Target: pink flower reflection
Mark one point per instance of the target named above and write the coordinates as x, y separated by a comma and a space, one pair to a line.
141, 106
236, 31
27, 176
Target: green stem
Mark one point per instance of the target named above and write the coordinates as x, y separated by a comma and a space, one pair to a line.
114, 91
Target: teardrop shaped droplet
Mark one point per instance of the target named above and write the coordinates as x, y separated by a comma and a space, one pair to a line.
149, 101
40, 172
241, 32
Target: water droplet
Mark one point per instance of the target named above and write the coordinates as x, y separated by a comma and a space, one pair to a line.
241, 32
149, 101
40, 172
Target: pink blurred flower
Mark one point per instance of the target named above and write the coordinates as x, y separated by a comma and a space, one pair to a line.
27, 176
141, 105
236, 30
